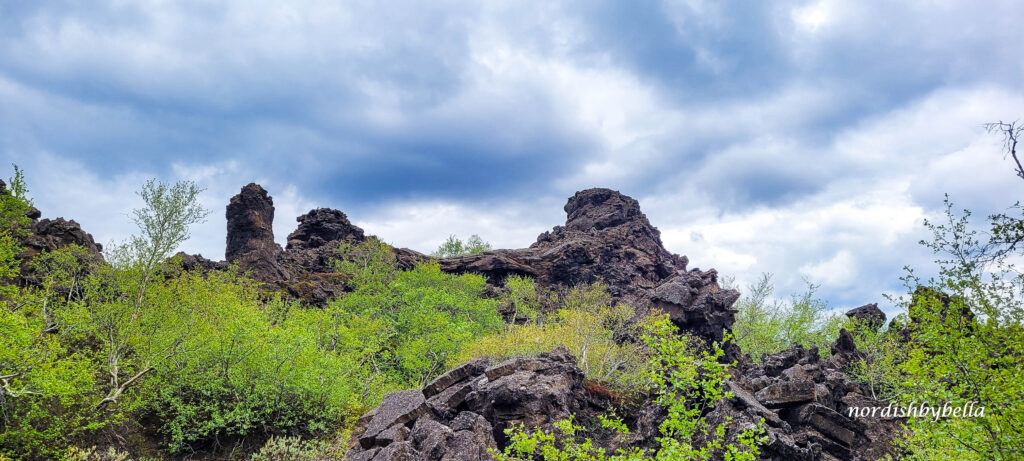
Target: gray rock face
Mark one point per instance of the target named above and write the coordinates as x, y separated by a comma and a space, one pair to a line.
397, 409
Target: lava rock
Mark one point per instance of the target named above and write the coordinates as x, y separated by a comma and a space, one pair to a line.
868, 315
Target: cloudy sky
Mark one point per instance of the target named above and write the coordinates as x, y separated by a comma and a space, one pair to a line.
808, 139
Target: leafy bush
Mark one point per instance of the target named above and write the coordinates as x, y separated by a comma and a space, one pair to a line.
587, 325
764, 326
410, 323
294, 449
456, 247
688, 380
239, 372
966, 342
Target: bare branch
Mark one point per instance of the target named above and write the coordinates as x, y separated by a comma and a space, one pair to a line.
1011, 132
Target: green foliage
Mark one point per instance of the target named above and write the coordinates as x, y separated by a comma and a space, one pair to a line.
883, 354
163, 224
294, 449
586, 324
688, 380
966, 343
523, 298
14, 205
456, 247
239, 372
410, 322
764, 326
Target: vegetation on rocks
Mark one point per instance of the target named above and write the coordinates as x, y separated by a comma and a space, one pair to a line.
147, 355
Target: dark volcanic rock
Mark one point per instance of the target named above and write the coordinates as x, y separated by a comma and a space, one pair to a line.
397, 408
199, 263
51, 234
250, 240
250, 218
804, 407
303, 270
322, 226
535, 392
812, 397
607, 238
787, 393
696, 303
869, 315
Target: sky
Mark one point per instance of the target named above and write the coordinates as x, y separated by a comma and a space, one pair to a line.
806, 139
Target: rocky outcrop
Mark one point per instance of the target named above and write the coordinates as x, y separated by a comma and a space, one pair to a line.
51, 234
303, 269
868, 315
606, 238
808, 399
250, 236
321, 227
43, 235
695, 303
802, 398
463, 413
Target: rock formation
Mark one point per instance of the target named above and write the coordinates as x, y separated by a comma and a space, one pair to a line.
321, 227
461, 414
303, 269
868, 315
250, 240
50, 234
607, 238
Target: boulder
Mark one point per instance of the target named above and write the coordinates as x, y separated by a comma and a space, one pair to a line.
397, 408
787, 393
696, 303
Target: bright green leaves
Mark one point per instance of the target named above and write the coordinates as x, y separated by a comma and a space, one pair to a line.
764, 326
411, 322
586, 324
456, 247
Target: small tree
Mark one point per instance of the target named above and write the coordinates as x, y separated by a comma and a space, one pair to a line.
132, 333
456, 247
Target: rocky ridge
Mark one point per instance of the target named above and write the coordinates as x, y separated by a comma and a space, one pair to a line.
802, 398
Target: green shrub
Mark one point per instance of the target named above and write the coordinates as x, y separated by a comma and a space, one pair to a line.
587, 325
238, 373
764, 326
410, 323
294, 449
456, 247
